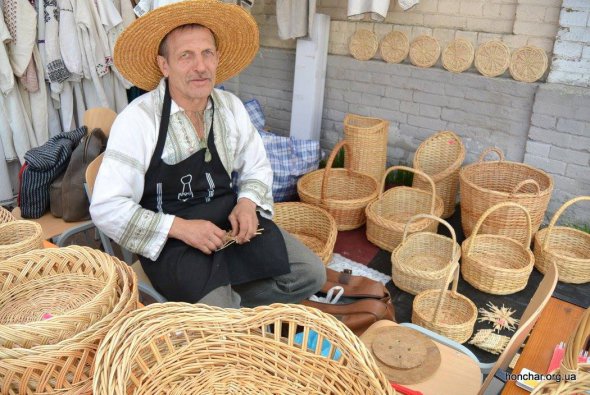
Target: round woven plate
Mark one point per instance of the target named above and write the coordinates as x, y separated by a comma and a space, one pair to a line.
528, 63
363, 44
458, 55
492, 58
424, 51
395, 47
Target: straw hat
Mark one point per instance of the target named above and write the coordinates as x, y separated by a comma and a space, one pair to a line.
234, 28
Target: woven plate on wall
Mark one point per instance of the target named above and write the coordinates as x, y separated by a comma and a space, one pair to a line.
424, 51
458, 55
492, 58
363, 44
528, 63
395, 47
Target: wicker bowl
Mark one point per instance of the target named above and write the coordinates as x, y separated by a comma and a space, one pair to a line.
344, 193
6, 216
17, 237
178, 348
312, 225
565, 246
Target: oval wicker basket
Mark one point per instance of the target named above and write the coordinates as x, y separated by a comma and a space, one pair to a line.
497, 264
422, 261
388, 214
441, 156
485, 184
344, 193
66, 367
367, 138
312, 225
6, 216
446, 312
18, 237
565, 246
179, 348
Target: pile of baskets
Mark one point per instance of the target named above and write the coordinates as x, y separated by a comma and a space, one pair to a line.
56, 305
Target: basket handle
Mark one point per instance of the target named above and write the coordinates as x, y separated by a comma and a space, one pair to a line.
496, 150
415, 171
434, 218
527, 182
558, 214
453, 273
330, 161
471, 240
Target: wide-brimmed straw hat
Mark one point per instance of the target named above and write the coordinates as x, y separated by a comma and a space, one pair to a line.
235, 31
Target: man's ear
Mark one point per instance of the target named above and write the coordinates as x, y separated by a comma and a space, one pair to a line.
163, 64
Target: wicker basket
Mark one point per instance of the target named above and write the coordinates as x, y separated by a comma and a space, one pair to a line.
66, 367
422, 261
485, 184
344, 193
497, 264
312, 225
575, 376
387, 216
367, 138
567, 247
6, 216
17, 237
446, 312
441, 156
178, 348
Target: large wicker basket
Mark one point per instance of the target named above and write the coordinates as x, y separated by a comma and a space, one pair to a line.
312, 225
422, 261
497, 264
367, 138
344, 193
485, 184
17, 237
441, 156
446, 312
5, 215
565, 246
65, 367
178, 348
387, 216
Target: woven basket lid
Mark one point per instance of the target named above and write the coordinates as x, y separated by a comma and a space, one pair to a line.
528, 63
458, 55
363, 44
492, 58
424, 51
395, 47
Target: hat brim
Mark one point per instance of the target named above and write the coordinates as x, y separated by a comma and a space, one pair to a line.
235, 30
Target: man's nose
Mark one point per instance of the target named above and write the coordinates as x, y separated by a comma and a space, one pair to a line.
199, 64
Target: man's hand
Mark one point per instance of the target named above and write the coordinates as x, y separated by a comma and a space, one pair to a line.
200, 234
244, 221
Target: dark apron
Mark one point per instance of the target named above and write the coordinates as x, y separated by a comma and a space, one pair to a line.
200, 188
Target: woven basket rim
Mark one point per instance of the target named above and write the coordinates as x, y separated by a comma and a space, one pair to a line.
357, 174
449, 170
438, 273
433, 293
474, 256
540, 238
36, 233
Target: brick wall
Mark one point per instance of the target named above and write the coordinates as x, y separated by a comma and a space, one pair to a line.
571, 62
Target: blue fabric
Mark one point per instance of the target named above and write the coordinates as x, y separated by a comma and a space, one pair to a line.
256, 115
312, 341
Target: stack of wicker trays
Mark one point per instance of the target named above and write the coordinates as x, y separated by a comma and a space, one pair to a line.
56, 306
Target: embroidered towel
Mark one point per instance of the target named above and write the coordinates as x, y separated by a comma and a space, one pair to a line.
294, 18
377, 9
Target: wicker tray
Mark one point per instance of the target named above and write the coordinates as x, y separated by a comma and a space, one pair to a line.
424, 51
394, 47
565, 246
18, 237
178, 348
492, 58
528, 64
363, 44
458, 55
312, 225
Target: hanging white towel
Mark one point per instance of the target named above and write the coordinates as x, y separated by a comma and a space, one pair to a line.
407, 4
377, 9
295, 17
20, 18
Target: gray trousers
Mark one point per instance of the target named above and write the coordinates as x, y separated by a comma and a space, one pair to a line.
307, 276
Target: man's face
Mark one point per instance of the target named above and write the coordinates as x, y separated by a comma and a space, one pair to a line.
190, 65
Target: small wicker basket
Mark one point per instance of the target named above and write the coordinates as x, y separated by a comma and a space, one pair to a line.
17, 237
344, 193
497, 264
565, 246
485, 184
446, 312
422, 261
441, 156
388, 214
179, 348
6, 216
312, 225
